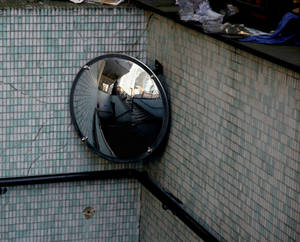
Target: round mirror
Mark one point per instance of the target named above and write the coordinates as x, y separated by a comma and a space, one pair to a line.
119, 108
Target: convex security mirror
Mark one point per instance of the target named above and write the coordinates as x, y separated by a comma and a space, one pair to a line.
119, 108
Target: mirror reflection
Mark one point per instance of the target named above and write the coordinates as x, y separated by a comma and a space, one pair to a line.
118, 108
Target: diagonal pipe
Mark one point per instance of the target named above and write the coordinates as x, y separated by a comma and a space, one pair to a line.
168, 200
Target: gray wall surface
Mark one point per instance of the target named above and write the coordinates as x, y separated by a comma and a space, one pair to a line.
233, 155
41, 51
157, 223
56, 212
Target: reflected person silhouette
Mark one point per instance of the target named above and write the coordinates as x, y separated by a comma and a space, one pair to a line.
131, 128
118, 109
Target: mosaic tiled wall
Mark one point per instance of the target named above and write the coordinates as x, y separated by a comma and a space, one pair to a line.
159, 224
233, 156
41, 51
77, 211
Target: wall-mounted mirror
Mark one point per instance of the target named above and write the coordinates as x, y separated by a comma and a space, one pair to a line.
119, 108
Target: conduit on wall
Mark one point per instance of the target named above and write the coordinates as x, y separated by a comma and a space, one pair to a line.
168, 200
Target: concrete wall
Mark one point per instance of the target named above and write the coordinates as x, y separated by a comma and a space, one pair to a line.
41, 51
233, 155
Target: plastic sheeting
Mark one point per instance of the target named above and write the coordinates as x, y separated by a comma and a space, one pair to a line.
277, 37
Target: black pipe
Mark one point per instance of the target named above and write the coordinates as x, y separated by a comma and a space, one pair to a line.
168, 200
174, 206
68, 177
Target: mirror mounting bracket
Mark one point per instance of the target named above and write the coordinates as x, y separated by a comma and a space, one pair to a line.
159, 69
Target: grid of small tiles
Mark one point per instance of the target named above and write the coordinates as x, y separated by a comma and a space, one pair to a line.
158, 224
233, 156
56, 212
41, 51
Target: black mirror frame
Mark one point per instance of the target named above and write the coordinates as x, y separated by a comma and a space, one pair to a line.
161, 138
